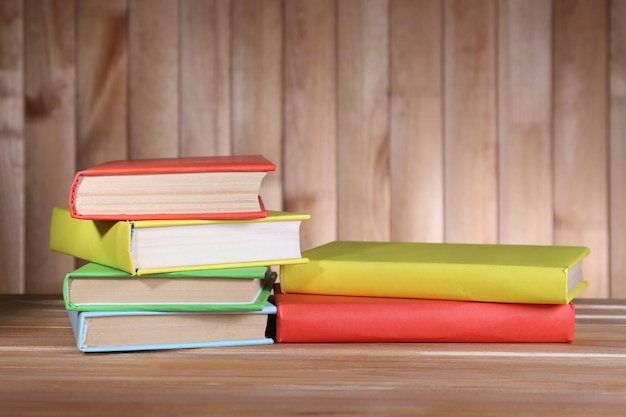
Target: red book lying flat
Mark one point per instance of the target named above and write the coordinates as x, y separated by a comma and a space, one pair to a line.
210, 187
326, 318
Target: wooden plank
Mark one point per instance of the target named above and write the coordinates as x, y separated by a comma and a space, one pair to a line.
363, 120
102, 74
470, 148
41, 367
257, 75
525, 122
153, 79
416, 115
50, 133
581, 134
309, 159
617, 146
205, 77
12, 147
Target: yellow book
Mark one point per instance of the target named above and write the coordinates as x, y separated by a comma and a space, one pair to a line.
154, 246
470, 272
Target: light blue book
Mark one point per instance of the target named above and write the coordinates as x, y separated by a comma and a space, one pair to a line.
118, 331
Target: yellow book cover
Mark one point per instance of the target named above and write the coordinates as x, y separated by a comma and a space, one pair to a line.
154, 246
470, 272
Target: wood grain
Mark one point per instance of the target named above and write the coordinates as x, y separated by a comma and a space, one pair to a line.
581, 134
617, 150
154, 71
416, 121
257, 90
363, 120
524, 122
502, 120
310, 148
50, 135
42, 369
205, 77
101, 82
12, 215
470, 148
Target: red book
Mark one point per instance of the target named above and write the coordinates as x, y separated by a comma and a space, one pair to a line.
210, 187
326, 318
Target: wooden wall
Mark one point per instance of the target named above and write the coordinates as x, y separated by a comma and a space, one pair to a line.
407, 120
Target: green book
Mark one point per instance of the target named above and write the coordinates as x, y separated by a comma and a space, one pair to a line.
95, 287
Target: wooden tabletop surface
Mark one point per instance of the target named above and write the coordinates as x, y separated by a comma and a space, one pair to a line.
43, 374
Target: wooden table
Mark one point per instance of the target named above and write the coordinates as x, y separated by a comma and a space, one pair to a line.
42, 373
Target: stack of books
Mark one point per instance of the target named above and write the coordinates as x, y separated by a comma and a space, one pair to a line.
179, 253
430, 292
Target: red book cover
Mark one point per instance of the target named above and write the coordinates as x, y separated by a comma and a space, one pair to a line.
222, 163
305, 318
152, 193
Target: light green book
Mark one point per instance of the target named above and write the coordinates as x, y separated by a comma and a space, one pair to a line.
95, 287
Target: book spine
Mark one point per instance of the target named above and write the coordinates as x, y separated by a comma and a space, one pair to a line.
72, 194
106, 243
488, 283
466, 322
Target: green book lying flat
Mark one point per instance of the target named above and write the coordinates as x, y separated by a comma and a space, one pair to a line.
95, 287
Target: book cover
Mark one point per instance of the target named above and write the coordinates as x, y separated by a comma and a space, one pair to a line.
467, 272
325, 318
94, 287
118, 331
209, 187
153, 246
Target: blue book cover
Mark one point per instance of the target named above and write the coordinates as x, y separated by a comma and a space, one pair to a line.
118, 331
